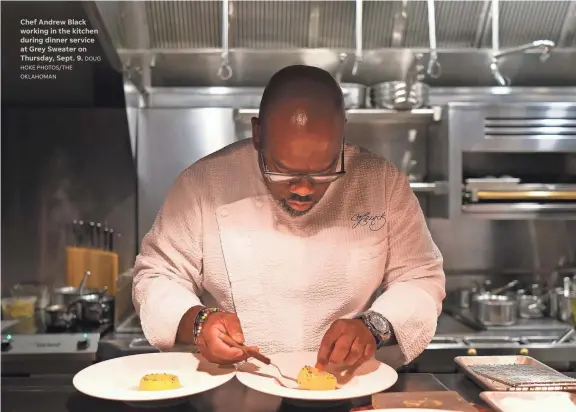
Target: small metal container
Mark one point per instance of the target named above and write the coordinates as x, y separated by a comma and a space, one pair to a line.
495, 310
564, 305
355, 95
94, 309
58, 317
530, 307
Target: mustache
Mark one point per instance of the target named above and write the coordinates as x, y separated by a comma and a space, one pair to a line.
297, 198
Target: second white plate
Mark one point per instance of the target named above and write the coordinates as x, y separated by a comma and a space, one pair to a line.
371, 378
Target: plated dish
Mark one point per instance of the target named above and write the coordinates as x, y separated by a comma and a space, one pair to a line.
310, 385
151, 377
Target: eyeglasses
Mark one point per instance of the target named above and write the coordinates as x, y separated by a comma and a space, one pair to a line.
313, 178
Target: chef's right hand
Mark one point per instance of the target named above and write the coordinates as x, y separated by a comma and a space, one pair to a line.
210, 342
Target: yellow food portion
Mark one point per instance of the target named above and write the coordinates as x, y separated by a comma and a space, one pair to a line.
313, 379
159, 382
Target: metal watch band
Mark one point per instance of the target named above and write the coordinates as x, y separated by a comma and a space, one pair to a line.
382, 335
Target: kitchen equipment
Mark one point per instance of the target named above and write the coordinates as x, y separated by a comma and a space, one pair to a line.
399, 95
355, 95
94, 309
564, 302
40, 345
513, 369
32, 288
409, 94
434, 69
505, 288
225, 70
67, 295
447, 400
115, 379
566, 336
358, 55
399, 27
92, 248
495, 310
58, 317
18, 307
103, 266
530, 307
372, 377
523, 375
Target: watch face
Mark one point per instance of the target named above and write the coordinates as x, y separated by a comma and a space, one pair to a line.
378, 322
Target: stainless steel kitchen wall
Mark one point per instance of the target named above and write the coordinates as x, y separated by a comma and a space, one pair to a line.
169, 140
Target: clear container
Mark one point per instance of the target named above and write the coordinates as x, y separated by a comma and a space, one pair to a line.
19, 307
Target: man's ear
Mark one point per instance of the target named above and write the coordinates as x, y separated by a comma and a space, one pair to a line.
256, 133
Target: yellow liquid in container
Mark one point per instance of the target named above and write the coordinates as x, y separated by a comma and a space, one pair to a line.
18, 308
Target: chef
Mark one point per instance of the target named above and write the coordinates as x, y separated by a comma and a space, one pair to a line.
292, 241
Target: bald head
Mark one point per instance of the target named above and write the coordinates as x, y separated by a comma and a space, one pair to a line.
306, 84
300, 131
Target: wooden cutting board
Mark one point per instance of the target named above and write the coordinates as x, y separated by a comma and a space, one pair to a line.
448, 400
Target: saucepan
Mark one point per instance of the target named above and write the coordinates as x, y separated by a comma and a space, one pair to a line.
59, 317
495, 310
94, 309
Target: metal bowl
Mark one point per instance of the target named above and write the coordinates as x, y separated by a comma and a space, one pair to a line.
399, 95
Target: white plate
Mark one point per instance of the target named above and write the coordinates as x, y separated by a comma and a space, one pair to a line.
530, 401
370, 378
118, 379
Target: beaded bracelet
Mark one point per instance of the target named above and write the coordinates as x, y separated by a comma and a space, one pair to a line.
199, 321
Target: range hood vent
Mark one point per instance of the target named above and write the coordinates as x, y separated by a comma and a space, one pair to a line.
330, 24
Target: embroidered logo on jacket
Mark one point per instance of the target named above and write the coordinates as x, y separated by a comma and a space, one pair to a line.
373, 222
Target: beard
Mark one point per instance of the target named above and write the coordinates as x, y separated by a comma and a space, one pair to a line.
295, 213
292, 212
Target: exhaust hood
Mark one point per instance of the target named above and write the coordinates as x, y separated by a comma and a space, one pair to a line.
179, 43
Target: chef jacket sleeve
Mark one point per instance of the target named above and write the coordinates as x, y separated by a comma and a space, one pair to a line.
414, 281
167, 280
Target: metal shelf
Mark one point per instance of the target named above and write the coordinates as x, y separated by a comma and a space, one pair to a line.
427, 115
521, 211
436, 188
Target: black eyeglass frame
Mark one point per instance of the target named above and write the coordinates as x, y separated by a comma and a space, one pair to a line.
311, 177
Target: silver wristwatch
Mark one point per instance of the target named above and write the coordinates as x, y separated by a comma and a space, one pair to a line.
379, 326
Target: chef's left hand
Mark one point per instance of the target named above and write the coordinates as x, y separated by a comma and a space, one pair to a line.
348, 343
